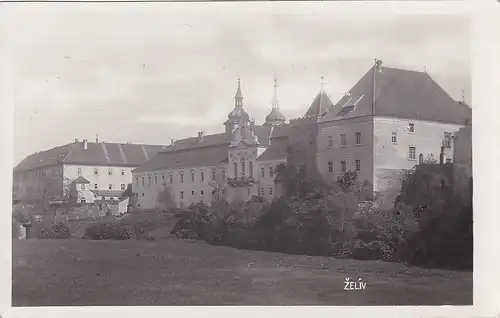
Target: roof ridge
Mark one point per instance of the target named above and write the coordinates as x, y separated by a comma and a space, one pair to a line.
69, 152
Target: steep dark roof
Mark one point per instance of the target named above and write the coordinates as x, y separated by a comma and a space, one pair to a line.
277, 150
280, 131
320, 105
402, 94
112, 154
81, 179
206, 156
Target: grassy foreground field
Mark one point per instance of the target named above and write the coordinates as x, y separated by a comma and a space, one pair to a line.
176, 272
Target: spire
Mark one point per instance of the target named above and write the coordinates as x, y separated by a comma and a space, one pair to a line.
275, 97
238, 98
322, 83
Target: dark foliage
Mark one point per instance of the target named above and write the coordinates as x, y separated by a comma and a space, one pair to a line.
109, 232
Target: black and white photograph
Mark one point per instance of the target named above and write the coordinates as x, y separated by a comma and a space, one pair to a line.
240, 154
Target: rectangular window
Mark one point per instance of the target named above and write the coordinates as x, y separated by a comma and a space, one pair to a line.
262, 192
412, 153
330, 167
143, 181
202, 176
182, 178
448, 160
394, 137
136, 181
271, 172
262, 172
411, 127
110, 171
447, 140
163, 178
79, 171
122, 186
270, 191
343, 164
358, 165
95, 186
192, 192
223, 174
192, 177
96, 171
149, 180
223, 191
201, 192
250, 169
156, 179
110, 187
358, 138
243, 168
213, 173
171, 177
82, 187
342, 140
182, 194
123, 172
330, 141
235, 166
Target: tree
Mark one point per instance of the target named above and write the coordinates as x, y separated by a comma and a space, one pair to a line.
218, 183
165, 199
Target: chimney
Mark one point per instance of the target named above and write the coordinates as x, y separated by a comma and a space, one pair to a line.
379, 66
200, 136
441, 156
96, 138
172, 140
84, 143
76, 140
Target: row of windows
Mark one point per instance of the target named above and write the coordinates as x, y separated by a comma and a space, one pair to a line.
156, 178
343, 166
110, 186
262, 191
343, 139
96, 171
201, 193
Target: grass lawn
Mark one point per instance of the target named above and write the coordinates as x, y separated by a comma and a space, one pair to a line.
176, 272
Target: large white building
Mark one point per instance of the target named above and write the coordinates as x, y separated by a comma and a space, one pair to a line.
93, 170
392, 119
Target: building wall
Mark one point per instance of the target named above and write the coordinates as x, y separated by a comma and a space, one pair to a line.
350, 152
463, 149
28, 185
183, 190
265, 185
120, 176
390, 157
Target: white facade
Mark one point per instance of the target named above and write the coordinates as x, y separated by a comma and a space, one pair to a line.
381, 147
101, 177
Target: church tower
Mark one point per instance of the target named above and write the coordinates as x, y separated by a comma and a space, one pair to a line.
238, 117
275, 117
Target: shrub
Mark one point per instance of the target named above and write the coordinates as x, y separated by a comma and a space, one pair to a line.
52, 230
109, 232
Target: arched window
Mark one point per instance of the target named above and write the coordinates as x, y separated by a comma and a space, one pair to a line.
420, 159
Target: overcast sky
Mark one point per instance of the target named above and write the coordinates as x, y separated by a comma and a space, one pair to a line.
150, 72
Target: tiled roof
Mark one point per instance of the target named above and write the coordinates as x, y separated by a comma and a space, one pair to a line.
402, 94
277, 150
280, 131
107, 193
196, 157
112, 154
319, 105
81, 179
193, 152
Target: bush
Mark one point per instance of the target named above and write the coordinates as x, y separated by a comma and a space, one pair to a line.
53, 230
109, 232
